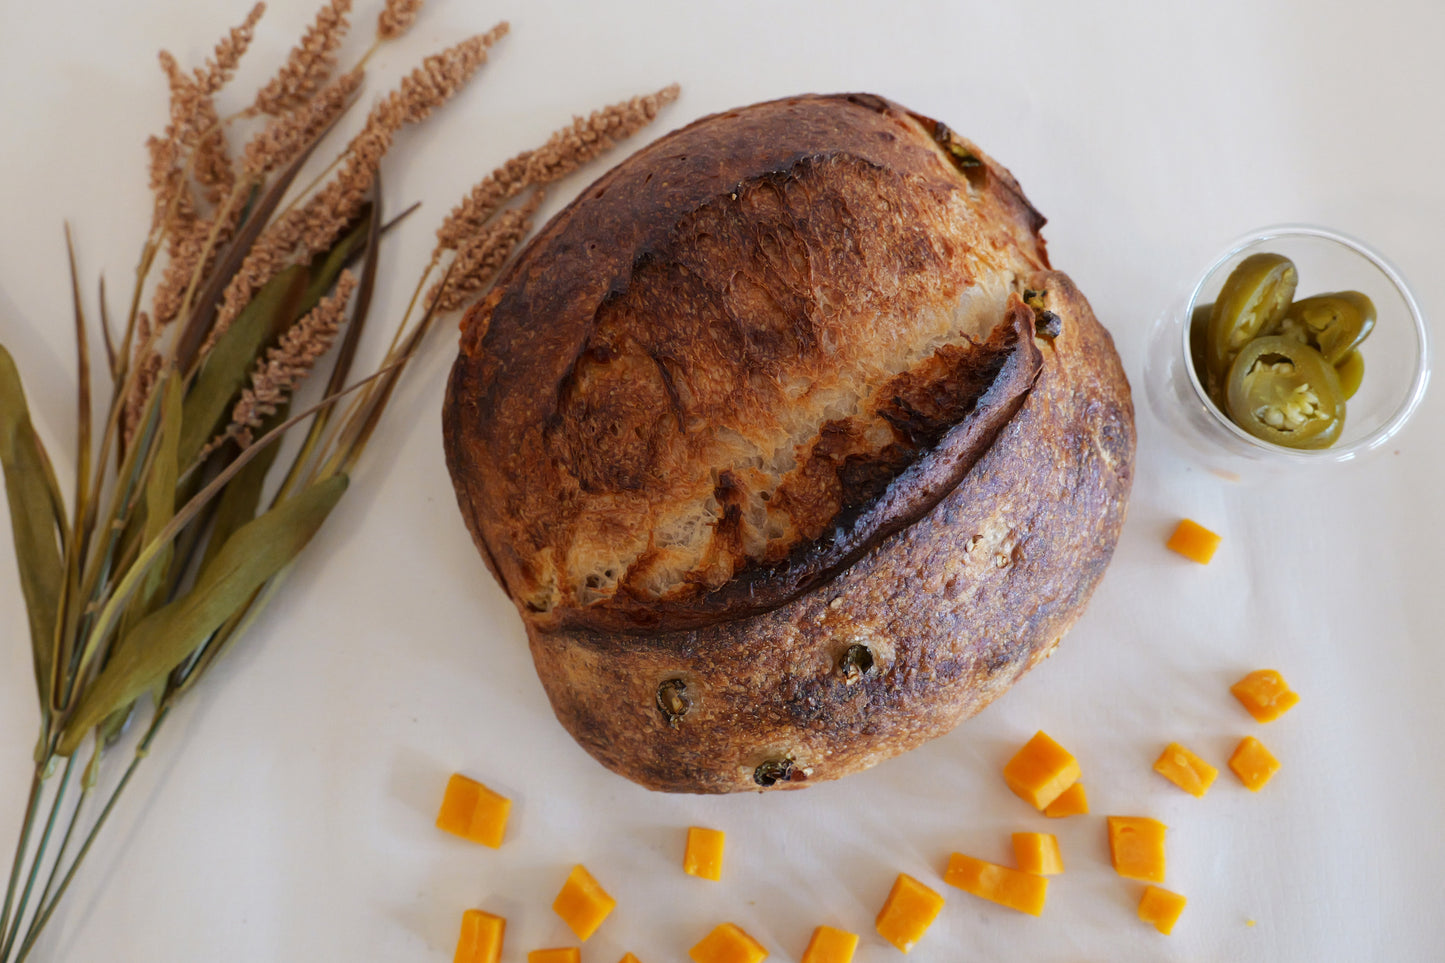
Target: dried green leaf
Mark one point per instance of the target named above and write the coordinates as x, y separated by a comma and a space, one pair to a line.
250, 557
237, 502
160, 500
109, 732
223, 374
120, 595
36, 515
82, 407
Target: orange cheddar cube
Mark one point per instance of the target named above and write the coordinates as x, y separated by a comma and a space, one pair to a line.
1038, 853
481, 939
1193, 541
1071, 802
629, 958
704, 855
1136, 847
1041, 771
1253, 763
829, 945
1265, 694
1161, 907
561, 954
728, 944
999, 884
583, 904
472, 811
1185, 770
908, 912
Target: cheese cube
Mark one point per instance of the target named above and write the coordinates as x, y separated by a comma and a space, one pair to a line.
481, 938
1161, 907
1136, 847
1040, 771
704, 853
1185, 770
728, 944
1038, 853
998, 884
472, 811
908, 912
583, 904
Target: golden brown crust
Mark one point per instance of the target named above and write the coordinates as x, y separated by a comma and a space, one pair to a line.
767, 394
678, 401
953, 610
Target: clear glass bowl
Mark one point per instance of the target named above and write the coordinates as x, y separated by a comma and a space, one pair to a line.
1397, 353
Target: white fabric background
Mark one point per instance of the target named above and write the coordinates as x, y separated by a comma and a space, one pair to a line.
287, 812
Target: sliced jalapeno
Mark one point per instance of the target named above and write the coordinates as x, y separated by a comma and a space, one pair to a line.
1351, 370
1199, 352
1333, 324
1254, 297
1285, 393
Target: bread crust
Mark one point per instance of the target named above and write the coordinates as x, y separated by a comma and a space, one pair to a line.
970, 545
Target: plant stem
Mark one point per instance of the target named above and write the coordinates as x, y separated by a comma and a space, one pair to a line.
85, 791
37, 860
19, 864
46, 910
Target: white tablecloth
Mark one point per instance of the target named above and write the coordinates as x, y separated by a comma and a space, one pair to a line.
287, 812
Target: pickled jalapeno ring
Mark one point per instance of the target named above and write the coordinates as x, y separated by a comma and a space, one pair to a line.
1254, 298
1351, 370
1333, 324
1285, 393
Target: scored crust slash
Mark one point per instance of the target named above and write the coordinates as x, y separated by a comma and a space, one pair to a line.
788, 445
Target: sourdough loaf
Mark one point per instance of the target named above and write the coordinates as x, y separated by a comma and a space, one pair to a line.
788, 446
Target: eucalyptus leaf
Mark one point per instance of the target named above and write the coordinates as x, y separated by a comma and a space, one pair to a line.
251, 556
35, 516
230, 360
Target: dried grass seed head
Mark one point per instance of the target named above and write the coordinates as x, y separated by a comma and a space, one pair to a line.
314, 226
587, 137
282, 139
228, 53
565, 151
484, 199
426, 88
396, 18
309, 64
478, 261
285, 366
